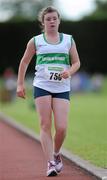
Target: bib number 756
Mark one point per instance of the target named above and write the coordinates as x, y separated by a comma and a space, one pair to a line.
55, 76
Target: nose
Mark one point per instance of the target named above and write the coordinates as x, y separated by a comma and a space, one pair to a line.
52, 20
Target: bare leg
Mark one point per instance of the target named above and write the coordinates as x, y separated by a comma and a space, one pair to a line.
60, 110
43, 105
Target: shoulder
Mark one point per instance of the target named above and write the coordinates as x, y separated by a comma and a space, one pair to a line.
32, 41
38, 39
30, 44
38, 36
68, 38
67, 35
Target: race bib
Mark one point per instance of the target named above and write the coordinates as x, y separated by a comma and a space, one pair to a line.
52, 73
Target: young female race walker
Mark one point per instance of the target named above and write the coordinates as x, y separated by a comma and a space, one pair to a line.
57, 60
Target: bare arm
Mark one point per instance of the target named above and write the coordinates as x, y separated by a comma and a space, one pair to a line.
28, 54
75, 59
75, 62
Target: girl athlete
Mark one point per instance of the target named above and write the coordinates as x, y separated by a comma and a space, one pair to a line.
57, 60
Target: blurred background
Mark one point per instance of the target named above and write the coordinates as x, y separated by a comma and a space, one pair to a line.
86, 20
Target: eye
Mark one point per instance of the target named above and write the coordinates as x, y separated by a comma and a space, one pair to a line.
48, 19
54, 18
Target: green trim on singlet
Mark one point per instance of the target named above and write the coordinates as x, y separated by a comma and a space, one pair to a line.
60, 36
34, 42
72, 41
53, 58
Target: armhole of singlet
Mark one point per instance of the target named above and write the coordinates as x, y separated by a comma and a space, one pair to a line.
72, 41
35, 42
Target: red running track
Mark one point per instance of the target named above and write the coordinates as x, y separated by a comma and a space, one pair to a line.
21, 158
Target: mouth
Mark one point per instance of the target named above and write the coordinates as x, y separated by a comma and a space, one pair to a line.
52, 26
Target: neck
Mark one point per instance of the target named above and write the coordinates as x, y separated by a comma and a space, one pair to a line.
53, 34
52, 37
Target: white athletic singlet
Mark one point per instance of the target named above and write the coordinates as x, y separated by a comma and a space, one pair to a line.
51, 60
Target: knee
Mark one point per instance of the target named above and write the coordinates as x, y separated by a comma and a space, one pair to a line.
45, 125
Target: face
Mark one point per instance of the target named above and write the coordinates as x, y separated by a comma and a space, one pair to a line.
51, 21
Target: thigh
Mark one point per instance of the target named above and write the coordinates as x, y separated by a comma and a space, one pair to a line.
44, 108
60, 111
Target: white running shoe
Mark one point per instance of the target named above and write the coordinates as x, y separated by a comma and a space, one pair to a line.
58, 162
51, 171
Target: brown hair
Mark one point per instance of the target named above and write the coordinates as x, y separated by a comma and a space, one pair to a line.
43, 12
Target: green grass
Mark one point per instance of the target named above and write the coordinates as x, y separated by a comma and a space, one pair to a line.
87, 130
23, 112
87, 126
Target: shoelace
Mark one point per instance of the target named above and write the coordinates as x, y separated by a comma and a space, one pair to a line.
50, 164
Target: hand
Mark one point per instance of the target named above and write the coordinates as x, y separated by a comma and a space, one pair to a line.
65, 74
21, 91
